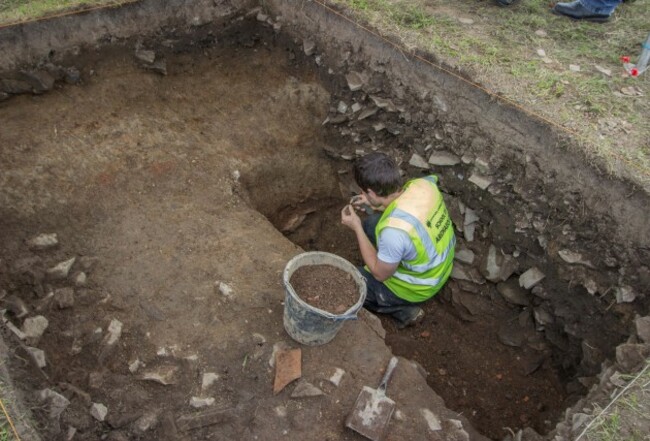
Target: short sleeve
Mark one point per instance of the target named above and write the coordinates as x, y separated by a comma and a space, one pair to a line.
394, 246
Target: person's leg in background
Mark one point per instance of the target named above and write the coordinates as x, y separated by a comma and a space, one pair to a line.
590, 10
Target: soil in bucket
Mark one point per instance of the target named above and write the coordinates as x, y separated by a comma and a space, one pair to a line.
325, 287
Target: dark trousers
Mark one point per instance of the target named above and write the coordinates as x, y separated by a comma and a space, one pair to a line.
379, 298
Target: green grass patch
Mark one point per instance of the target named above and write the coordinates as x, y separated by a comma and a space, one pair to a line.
500, 50
25, 10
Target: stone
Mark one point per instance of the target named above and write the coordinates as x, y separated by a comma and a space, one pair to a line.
342, 107
16, 306
433, 422
418, 161
336, 377
135, 365
225, 289
114, 332
98, 411
261, 17
57, 403
531, 278
64, 298
482, 182
541, 53
158, 66
630, 357
624, 294
305, 389
34, 327
356, 107
470, 217
38, 355
464, 255
455, 430
642, 325
145, 56
309, 47
578, 420
541, 33
510, 335
367, 113
468, 232
383, 103
72, 75
72, 431
460, 272
574, 68
465, 20
513, 293
43, 241
208, 380
355, 81
146, 422
164, 375
498, 267
61, 270
80, 279
543, 317
198, 402
40, 80
573, 257
603, 70
15, 87
443, 159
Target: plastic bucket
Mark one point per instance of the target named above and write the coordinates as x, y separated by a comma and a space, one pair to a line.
309, 325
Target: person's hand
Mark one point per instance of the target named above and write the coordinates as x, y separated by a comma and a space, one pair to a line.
349, 218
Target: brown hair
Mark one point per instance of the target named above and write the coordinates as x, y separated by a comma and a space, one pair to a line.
377, 172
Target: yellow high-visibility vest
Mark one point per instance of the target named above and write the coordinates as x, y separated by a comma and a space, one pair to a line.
422, 214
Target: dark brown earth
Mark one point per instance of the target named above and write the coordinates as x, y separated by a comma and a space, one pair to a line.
493, 385
325, 287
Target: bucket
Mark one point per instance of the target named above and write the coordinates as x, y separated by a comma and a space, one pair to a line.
309, 325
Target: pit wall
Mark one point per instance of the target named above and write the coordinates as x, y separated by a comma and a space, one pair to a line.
40, 41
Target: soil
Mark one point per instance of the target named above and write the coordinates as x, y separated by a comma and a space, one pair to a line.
325, 287
179, 189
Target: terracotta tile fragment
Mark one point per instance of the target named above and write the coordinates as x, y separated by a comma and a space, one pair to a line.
288, 368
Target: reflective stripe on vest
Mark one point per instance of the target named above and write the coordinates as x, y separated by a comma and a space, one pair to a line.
420, 212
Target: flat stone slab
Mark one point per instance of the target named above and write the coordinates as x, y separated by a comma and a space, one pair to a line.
531, 278
443, 159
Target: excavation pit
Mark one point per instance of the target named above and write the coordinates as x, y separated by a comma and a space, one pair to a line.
177, 193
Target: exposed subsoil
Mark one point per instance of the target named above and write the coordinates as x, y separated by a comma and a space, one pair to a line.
325, 287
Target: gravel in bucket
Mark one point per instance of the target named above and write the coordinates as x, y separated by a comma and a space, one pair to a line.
325, 287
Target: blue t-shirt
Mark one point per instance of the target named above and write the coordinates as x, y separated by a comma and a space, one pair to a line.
395, 245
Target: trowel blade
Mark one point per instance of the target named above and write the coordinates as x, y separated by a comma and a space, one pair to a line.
371, 414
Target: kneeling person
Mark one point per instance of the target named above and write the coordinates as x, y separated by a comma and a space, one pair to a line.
407, 248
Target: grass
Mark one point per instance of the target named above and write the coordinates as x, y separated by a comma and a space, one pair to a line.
12, 11
499, 49
627, 418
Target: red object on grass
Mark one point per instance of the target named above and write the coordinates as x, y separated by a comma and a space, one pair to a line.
634, 72
625, 59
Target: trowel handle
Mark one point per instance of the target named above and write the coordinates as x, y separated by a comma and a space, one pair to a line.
389, 372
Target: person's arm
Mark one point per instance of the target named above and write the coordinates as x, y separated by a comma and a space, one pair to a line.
380, 270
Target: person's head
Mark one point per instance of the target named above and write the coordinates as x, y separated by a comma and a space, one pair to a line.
379, 173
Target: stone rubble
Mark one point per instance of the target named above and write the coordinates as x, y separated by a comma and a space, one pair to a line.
34, 327
418, 161
443, 159
61, 270
98, 411
305, 389
56, 402
531, 278
198, 402
64, 298
43, 241
38, 355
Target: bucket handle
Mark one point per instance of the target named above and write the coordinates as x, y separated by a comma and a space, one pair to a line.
351, 316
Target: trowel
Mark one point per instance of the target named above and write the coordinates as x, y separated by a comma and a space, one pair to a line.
373, 409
